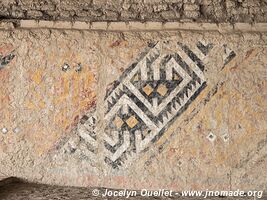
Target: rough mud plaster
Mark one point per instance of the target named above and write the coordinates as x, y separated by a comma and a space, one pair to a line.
55, 120
136, 10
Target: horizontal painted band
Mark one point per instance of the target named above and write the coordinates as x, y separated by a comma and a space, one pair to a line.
135, 26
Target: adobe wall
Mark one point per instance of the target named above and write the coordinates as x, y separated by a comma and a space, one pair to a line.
113, 101
233, 11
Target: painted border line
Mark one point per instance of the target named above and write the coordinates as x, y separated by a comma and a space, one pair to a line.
134, 26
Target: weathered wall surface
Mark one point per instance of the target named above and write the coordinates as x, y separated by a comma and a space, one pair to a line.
137, 10
177, 110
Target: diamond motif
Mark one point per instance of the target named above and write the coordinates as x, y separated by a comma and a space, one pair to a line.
148, 97
148, 90
211, 137
132, 122
162, 90
118, 122
225, 137
177, 77
149, 113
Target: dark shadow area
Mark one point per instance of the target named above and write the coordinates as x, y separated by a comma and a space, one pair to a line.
9, 180
16, 189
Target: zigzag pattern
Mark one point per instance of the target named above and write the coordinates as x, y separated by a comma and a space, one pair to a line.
83, 143
149, 97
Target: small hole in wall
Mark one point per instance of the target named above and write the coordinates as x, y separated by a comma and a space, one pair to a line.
211, 137
65, 67
78, 68
225, 137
